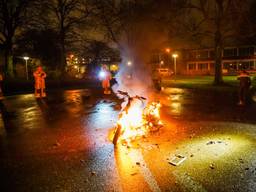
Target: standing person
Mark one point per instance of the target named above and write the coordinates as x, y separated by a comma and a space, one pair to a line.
39, 76
1, 86
106, 80
157, 80
245, 83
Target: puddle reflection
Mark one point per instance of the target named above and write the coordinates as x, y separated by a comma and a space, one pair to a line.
104, 116
175, 98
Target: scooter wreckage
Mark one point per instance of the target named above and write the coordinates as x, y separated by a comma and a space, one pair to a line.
136, 119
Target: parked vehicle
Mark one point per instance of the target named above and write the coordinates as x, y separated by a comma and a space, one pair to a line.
164, 72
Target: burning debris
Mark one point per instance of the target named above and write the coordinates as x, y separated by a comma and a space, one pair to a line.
136, 119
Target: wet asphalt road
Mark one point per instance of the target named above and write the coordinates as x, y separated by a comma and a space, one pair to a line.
62, 144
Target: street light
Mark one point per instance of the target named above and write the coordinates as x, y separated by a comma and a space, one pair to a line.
175, 62
129, 63
161, 63
26, 59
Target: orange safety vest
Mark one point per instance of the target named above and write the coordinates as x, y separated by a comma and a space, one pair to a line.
106, 80
39, 79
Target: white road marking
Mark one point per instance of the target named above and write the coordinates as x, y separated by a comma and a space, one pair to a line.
187, 183
136, 156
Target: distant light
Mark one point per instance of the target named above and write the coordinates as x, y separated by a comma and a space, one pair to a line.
174, 55
102, 74
162, 62
129, 63
26, 58
113, 67
75, 66
167, 50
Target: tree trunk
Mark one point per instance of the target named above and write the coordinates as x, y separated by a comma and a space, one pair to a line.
63, 60
218, 41
8, 59
218, 58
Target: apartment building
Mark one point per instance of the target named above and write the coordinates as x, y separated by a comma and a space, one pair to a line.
201, 61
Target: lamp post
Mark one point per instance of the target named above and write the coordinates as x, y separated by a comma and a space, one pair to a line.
175, 63
26, 59
129, 64
167, 51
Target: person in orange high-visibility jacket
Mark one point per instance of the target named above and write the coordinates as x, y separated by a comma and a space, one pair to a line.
106, 80
39, 76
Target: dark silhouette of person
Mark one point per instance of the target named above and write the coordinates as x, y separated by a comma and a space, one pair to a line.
244, 86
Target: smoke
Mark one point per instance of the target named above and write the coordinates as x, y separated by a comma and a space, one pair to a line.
136, 78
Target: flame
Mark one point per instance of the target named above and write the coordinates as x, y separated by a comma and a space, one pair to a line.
139, 120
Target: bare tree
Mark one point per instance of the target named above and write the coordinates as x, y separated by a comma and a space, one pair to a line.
65, 16
12, 15
131, 26
214, 22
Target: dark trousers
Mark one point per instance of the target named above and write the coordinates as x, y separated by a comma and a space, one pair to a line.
243, 94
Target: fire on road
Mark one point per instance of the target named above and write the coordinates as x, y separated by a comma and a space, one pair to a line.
71, 151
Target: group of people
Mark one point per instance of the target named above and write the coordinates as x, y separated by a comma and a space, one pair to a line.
40, 75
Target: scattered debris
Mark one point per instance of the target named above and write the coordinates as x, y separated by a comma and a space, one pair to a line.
132, 174
210, 143
82, 161
212, 166
177, 160
57, 144
192, 135
241, 160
